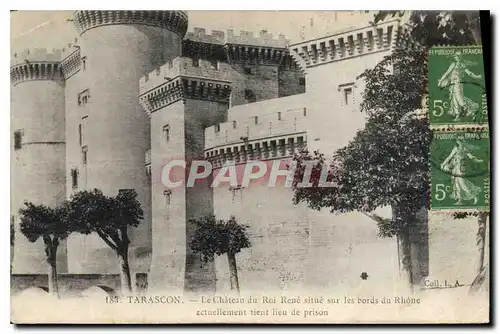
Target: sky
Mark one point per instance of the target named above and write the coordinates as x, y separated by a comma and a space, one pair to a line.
51, 29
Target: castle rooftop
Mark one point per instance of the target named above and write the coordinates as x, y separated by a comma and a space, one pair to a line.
263, 38
35, 55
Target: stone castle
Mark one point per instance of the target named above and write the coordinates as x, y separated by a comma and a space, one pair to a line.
136, 89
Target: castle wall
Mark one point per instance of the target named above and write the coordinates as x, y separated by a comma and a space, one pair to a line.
262, 82
324, 250
169, 209
118, 133
37, 167
278, 232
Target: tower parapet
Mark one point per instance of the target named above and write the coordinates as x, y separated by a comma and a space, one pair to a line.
249, 49
348, 44
71, 59
175, 21
179, 79
36, 64
200, 35
263, 137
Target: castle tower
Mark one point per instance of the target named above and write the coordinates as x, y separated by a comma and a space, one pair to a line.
37, 148
182, 98
116, 49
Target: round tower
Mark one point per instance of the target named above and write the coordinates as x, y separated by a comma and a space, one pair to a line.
119, 47
37, 148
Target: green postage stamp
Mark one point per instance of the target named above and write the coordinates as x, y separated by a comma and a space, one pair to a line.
456, 84
460, 168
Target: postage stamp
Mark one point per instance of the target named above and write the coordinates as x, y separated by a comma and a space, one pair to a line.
456, 85
460, 170
186, 167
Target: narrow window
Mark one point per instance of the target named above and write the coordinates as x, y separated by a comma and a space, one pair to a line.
84, 155
166, 133
217, 128
74, 178
256, 119
84, 63
83, 97
305, 111
167, 194
234, 124
80, 134
347, 96
83, 129
18, 137
279, 115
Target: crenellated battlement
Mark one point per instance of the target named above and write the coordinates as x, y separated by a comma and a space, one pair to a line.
181, 66
348, 44
263, 39
71, 59
273, 135
36, 64
179, 79
248, 38
263, 49
36, 55
200, 35
175, 21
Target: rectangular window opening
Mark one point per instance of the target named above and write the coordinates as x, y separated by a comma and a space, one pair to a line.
74, 178
18, 138
84, 155
347, 96
166, 132
84, 97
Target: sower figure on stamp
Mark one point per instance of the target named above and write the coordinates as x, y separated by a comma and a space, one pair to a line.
452, 78
463, 189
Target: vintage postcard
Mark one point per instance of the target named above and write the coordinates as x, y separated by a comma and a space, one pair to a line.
249, 167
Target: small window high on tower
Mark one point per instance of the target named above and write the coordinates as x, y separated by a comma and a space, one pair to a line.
18, 137
74, 178
348, 96
166, 132
84, 155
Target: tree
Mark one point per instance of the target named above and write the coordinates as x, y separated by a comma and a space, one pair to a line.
429, 28
109, 217
386, 163
12, 240
216, 237
50, 224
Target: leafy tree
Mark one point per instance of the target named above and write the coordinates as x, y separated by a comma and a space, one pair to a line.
50, 224
429, 28
216, 237
109, 217
386, 163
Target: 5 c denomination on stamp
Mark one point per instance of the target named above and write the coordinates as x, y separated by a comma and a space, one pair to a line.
460, 175
456, 85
